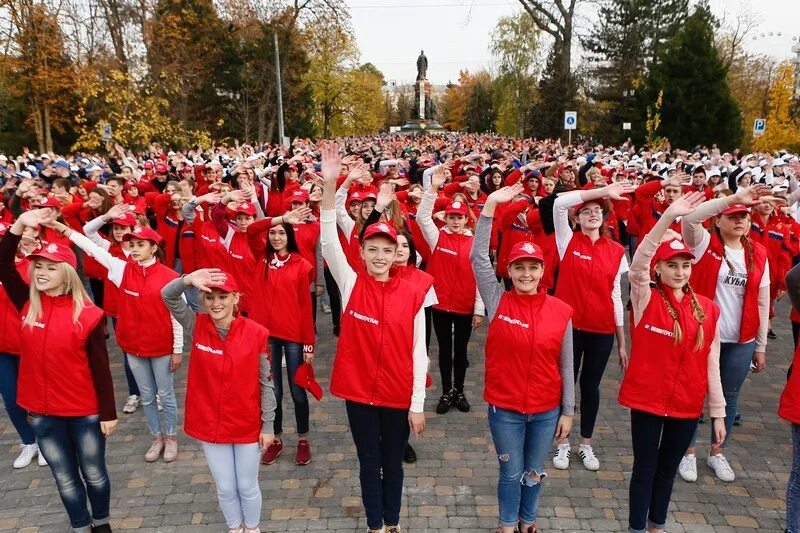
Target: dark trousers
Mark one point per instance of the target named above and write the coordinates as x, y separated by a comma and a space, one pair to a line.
658, 445
72, 445
294, 358
380, 435
591, 352
98, 291
428, 328
453, 332
335, 300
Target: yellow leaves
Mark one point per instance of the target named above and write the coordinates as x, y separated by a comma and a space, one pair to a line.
782, 129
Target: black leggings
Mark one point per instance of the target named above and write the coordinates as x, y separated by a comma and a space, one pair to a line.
591, 352
453, 332
334, 297
658, 446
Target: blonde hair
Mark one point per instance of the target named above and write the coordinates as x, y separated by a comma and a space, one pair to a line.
72, 285
697, 311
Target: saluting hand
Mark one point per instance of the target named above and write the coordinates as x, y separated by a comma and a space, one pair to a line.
205, 279
506, 194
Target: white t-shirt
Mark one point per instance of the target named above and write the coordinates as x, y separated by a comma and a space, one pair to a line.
730, 294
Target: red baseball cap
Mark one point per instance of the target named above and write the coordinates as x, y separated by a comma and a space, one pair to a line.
186, 168
525, 250
355, 197
736, 208
299, 195
456, 208
128, 220
161, 168
49, 201
145, 233
671, 248
148, 165
245, 208
381, 228
600, 202
57, 253
304, 377
229, 285
368, 195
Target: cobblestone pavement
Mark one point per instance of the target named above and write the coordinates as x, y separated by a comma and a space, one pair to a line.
452, 486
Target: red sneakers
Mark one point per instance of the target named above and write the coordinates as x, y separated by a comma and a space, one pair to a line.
272, 453
303, 456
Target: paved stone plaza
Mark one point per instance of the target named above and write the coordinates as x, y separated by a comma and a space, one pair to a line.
452, 486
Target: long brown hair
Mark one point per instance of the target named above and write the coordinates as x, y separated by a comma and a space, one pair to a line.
748, 248
697, 311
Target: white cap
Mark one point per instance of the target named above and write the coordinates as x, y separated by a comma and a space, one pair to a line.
24, 174
3, 158
713, 171
44, 156
778, 162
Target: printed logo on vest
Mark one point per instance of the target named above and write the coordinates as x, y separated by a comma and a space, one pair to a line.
35, 324
658, 330
363, 318
715, 255
577, 254
208, 349
132, 293
514, 321
447, 250
236, 256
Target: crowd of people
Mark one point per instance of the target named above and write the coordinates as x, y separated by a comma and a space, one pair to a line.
230, 251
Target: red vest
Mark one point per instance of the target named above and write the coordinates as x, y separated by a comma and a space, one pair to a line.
585, 281
242, 266
223, 394
663, 378
111, 291
283, 305
451, 269
144, 327
54, 375
416, 277
374, 361
10, 322
789, 405
523, 348
307, 236
705, 276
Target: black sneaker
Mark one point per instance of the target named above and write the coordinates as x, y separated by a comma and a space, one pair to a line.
409, 455
445, 402
771, 335
103, 528
737, 420
461, 402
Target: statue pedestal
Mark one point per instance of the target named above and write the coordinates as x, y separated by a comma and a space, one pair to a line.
419, 125
422, 122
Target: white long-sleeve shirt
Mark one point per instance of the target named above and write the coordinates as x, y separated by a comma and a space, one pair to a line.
346, 279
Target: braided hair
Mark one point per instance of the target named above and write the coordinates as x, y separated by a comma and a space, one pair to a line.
697, 312
748, 248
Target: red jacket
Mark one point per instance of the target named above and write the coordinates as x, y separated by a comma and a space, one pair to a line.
54, 375
649, 209
789, 404
144, 327
663, 378
775, 236
523, 348
10, 321
511, 231
223, 394
111, 291
452, 274
586, 280
173, 228
374, 360
705, 275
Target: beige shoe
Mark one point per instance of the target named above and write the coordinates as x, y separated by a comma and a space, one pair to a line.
170, 449
155, 450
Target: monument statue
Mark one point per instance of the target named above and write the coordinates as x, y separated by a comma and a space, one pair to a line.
422, 66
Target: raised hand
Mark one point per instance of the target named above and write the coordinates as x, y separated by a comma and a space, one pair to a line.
37, 217
331, 162
205, 279
297, 216
685, 205
752, 195
439, 177
118, 211
385, 195
209, 198
505, 194
618, 190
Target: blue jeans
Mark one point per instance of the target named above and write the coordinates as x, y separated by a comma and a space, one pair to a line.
133, 388
154, 377
522, 442
70, 444
734, 365
9, 369
793, 486
294, 358
235, 471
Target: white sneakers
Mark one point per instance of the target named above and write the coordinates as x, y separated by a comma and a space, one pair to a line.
561, 459
721, 467
131, 404
27, 454
688, 468
590, 462
29, 451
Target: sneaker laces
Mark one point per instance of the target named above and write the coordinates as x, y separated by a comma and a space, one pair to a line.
587, 453
563, 451
721, 463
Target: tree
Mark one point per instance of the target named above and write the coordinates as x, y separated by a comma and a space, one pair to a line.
515, 44
362, 107
783, 130
697, 106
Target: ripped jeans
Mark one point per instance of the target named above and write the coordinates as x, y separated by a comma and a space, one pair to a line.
522, 443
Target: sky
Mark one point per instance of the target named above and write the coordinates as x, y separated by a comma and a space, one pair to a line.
455, 34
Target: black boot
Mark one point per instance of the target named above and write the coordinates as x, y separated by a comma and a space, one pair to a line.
409, 455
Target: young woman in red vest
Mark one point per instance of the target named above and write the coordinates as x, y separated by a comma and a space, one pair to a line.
674, 365
10, 328
789, 410
380, 362
529, 379
156, 355
589, 281
122, 221
460, 309
284, 306
229, 359
64, 378
733, 271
